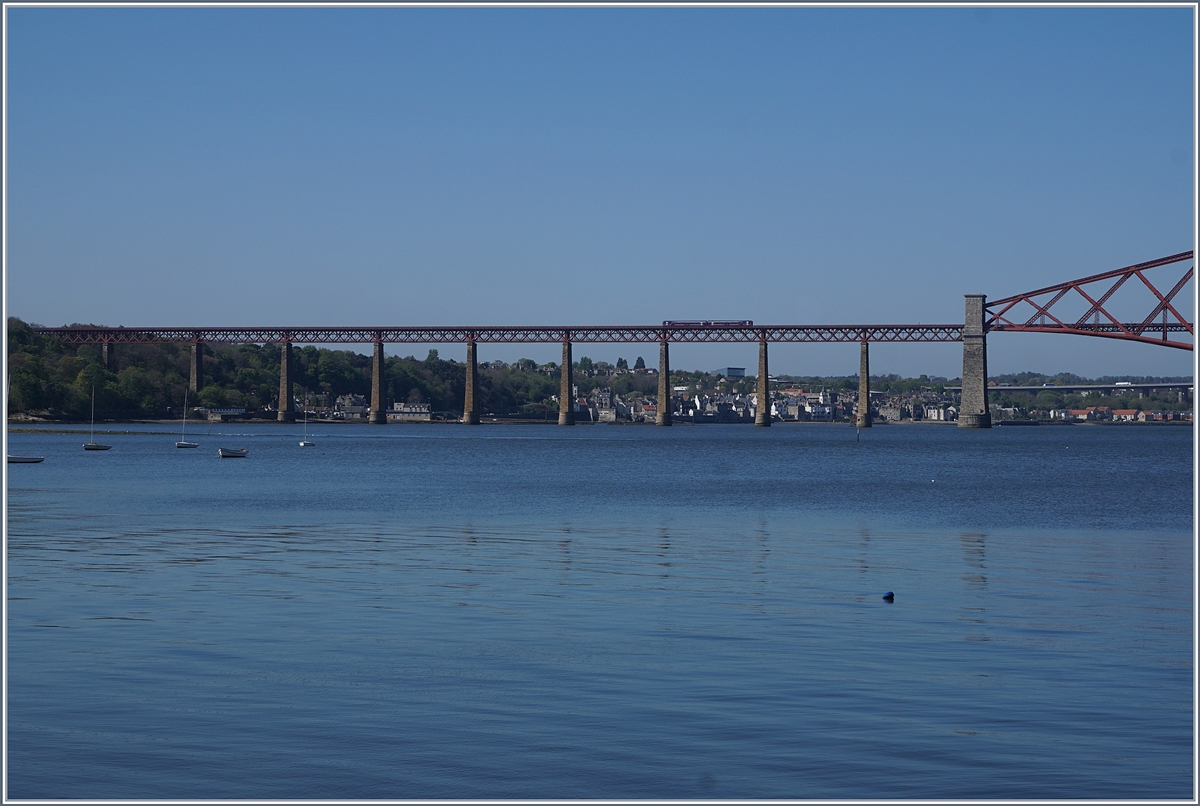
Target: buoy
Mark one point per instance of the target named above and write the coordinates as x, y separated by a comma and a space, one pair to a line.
889, 596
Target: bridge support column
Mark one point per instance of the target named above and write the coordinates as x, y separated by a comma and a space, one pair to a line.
566, 398
470, 409
287, 403
197, 366
762, 412
662, 414
973, 412
378, 376
863, 420
108, 355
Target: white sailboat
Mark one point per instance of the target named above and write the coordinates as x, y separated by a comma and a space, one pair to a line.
183, 443
92, 444
304, 443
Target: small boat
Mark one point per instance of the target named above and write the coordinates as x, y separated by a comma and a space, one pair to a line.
92, 444
232, 453
304, 443
25, 460
183, 443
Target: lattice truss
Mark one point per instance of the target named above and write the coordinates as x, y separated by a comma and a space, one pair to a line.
500, 335
1119, 304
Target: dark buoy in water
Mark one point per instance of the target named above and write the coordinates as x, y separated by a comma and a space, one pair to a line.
889, 597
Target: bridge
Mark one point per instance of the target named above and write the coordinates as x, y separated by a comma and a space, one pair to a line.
1045, 310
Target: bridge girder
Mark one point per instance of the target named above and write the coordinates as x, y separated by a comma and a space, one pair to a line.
504, 335
1010, 314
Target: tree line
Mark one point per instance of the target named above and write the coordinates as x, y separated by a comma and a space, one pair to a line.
149, 380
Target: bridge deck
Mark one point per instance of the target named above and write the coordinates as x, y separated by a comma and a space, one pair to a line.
575, 333
502, 335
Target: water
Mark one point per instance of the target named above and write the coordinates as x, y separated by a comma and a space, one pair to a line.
602, 612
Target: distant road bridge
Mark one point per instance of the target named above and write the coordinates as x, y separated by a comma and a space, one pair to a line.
1033, 311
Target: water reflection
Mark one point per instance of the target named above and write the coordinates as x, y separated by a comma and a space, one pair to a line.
664, 548
973, 548
974, 559
864, 545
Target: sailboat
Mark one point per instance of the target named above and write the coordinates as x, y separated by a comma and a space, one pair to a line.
91, 444
304, 443
183, 443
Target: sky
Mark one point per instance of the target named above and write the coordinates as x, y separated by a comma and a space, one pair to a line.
567, 166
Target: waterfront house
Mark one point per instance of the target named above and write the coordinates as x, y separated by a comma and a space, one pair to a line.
409, 413
350, 407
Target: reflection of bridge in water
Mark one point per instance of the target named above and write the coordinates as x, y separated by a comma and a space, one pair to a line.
1046, 310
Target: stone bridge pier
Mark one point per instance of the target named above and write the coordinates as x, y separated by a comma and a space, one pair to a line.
662, 414
197, 366
566, 398
762, 411
378, 378
287, 403
470, 407
863, 420
973, 410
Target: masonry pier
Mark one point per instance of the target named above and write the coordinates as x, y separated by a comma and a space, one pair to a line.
197, 380
287, 403
973, 413
662, 414
108, 354
378, 378
762, 411
863, 420
566, 397
470, 409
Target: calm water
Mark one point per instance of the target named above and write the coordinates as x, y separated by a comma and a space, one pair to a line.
610, 612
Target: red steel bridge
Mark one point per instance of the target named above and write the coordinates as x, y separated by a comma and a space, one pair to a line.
1097, 305
1033, 311
672, 332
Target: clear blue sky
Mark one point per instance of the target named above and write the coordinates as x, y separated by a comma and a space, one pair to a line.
280, 166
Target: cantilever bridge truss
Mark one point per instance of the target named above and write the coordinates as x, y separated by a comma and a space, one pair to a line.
1046, 310
1049, 310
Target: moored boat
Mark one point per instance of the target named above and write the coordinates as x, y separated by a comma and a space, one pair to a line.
232, 453
25, 460
183, 443
304, 443
92, 444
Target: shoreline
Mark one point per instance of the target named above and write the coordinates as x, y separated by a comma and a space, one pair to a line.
73, 427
